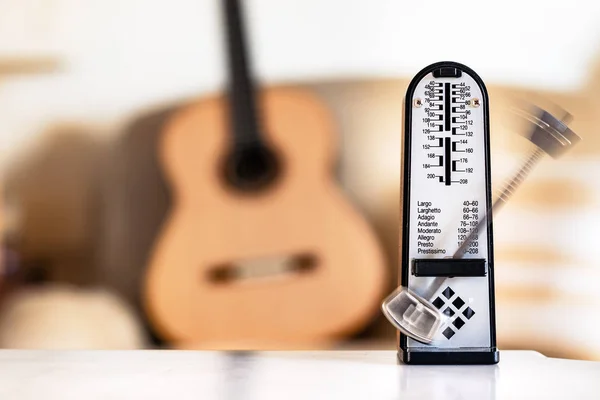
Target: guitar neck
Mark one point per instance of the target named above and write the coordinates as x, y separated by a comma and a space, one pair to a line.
241, 91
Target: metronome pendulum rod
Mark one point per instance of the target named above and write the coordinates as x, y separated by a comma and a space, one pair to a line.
502, 199
508, 190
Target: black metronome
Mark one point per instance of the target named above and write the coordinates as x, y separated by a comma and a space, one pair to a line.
445, 306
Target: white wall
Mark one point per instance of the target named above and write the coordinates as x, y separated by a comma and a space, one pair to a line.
120, 55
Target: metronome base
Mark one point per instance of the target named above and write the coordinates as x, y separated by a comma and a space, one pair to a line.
449, 357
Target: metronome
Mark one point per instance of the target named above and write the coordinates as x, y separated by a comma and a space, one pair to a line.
445, 305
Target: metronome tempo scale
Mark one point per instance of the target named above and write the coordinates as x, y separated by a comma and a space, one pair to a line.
446, 108
445, 308
449, 153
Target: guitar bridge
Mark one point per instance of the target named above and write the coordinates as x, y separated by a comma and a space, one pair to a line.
260, 268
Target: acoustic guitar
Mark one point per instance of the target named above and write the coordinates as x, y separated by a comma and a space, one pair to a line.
261, 247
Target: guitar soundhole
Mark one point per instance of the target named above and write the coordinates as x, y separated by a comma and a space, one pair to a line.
251, 168
246, 270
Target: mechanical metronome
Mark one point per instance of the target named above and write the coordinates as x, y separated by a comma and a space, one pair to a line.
445, 306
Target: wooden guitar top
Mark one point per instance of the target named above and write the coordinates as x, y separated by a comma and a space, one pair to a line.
304, 214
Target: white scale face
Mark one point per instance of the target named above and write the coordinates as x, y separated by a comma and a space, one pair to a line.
448, 191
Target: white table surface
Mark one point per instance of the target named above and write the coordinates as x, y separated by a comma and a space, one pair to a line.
286, 375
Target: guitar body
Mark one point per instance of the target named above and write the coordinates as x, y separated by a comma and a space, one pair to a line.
302, 215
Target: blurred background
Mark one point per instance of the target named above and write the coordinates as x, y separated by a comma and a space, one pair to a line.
112, 126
